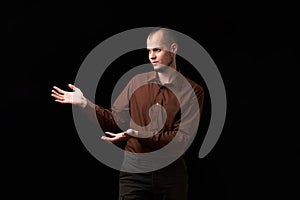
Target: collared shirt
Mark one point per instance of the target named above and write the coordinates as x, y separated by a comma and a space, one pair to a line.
158, 111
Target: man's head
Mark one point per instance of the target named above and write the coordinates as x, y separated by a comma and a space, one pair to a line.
162, 47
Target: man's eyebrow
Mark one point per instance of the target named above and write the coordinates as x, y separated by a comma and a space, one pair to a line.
154, 48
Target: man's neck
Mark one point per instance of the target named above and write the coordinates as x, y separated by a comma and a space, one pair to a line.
166, 76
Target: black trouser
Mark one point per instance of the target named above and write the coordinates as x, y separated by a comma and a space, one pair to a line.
169, 183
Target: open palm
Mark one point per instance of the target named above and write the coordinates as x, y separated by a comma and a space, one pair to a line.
68, 97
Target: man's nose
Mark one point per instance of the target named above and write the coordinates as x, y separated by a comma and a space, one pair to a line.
152, 55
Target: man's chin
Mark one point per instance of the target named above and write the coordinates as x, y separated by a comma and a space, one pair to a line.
160, 68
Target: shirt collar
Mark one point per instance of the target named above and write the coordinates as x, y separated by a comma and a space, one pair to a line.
175, 81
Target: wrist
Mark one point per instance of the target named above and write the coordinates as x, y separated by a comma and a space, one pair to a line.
132, 132
84, 102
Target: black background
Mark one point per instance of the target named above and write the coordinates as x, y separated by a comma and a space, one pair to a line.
253, 46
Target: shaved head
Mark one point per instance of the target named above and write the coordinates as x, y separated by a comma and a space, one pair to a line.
167, 35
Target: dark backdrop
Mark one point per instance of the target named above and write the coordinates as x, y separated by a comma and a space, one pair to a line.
253, 47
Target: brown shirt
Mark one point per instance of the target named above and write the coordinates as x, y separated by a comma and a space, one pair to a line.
157, 111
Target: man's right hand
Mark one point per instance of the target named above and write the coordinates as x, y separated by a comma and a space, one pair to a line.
65, 97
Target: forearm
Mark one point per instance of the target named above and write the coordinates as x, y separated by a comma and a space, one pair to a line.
159, 139
100, 115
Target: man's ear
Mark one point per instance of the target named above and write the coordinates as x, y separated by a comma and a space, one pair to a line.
174, 47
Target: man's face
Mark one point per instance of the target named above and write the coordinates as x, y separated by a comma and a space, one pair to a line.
159, 53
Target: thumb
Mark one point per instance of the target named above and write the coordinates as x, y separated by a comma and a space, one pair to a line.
72, 86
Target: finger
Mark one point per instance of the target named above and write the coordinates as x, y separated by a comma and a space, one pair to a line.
57, 96
111, 134
56, 93
108, 139
60, 101
59, 90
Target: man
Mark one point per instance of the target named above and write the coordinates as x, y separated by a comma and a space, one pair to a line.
157, 110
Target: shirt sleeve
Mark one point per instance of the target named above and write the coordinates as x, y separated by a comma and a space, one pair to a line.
114, 119
101, 115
